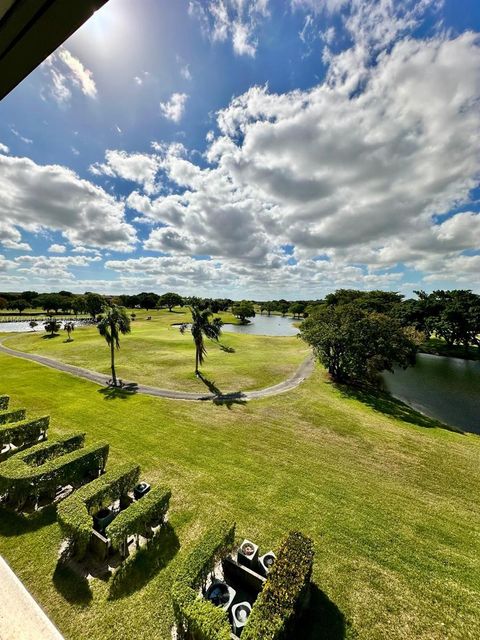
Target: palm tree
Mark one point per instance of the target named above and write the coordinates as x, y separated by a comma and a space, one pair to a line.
202, 326
114, 322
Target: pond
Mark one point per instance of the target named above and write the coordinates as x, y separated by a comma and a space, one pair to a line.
265, 326
15, 327
447, 389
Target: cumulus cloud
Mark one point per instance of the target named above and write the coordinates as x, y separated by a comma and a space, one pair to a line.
51, 197
136, 167
223, 20
66, 72
4, 148
47, 267
334, 173
57, 248
174, 108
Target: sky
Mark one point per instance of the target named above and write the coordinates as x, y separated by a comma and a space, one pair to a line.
254, 149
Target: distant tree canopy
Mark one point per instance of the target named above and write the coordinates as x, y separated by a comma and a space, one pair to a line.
94, 303
148, 300
355, 344
243, 310
170, 300
297, 308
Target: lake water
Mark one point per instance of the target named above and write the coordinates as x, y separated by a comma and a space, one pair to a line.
265, 326
447, 389
15, 327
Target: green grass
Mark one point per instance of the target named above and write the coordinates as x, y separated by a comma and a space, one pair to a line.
157, 354
391, 505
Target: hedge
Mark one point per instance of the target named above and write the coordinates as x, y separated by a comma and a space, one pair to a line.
284, 592
24, 431
4, 400
41, 471
12, 415
75, 513
197, 617
140, 515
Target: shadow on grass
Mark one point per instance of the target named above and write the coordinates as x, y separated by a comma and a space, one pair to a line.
71, 585
383, 402
322, 619
141, 567
227, 349
49, 336
15, 524
119, 393
222, 399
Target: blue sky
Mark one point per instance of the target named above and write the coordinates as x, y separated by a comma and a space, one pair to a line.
248, 148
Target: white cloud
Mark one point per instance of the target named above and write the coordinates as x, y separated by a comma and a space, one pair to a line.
11, 238
51, 197
174, 108
57, 248
66, 72
185, 72
4, 148
47, 267
359, 179
137, 167
234, 20
20, 137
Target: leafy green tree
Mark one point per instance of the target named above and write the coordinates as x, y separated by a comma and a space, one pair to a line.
50, 302
297, 308
94, 303
78, 304
3, 303
20, 305
148, 300
269, 307
202, 327
243, 310
52, 326
170, 300
29, 296
356, 345
283, 308
114, 322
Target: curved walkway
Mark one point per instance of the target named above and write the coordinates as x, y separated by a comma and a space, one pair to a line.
303, 372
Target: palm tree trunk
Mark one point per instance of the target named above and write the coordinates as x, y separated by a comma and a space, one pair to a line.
112, 357
196, 360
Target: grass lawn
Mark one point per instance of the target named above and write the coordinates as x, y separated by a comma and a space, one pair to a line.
157, 354
390, 499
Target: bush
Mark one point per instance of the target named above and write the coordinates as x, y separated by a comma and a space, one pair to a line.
4, 400
195, 616
14, 415
140, 515
23, 432
41, 471
75, 513
284, 592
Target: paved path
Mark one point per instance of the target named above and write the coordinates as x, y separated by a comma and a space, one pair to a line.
304, 371
21, 618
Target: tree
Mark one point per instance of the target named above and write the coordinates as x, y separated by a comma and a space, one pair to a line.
148, 300
78, 304
243, 310
269, 307
52, 326
50, 302
29, 296
114, 322
94, 303
69, 327
297, 308
32, 324
20, 304
283, 308
3, 303
356, 345
202, 327
170, 300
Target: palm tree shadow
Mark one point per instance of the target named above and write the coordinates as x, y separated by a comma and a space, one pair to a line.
224, 399
137, 570
322, 619
119, 393
382, 401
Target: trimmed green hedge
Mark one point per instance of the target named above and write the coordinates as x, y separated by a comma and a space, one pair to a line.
284, 592
23, 432
4, 400
195, 616
12, 415
40, 471
140, 515
75, 513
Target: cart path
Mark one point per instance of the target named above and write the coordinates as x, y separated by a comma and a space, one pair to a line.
304, 371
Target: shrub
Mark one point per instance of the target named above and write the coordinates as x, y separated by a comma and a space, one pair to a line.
49, 465
13, 415
75, 513
284, 592
140, 515
4, 400
23, 432
197, 617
